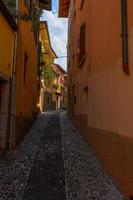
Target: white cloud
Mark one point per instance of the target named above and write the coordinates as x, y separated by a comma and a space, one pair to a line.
58, 35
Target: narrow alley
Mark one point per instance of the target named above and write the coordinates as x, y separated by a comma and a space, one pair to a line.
54, 163
66, 100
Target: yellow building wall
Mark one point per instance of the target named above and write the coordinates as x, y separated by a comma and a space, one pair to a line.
6, 47
48, 55
48, 59
26, 92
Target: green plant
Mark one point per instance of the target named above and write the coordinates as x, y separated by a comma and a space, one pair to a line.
33, 13
11, 5
48, 75
58, 87
40, 53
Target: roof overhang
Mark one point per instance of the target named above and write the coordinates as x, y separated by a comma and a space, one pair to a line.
45, 4
63, 8
60, 68
8, 16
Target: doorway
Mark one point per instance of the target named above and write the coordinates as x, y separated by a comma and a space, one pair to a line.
4, 89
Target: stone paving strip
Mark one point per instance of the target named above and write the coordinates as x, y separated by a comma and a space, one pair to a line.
85, 177
47, 177
54, 163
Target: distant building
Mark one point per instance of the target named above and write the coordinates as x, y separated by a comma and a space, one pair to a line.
60, 87
100, 80
47, 56
53, 78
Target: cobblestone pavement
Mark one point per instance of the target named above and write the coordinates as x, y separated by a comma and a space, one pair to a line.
54, 163
85, 177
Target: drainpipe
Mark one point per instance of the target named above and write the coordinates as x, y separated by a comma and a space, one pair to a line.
11, 108
124, 37
11, 96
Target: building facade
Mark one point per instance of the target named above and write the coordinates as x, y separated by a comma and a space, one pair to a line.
53, 78
18, 68
7, 45
25, 101
100, 79
60, 87
47, 56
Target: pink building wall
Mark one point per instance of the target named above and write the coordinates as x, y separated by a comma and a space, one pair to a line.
103, 110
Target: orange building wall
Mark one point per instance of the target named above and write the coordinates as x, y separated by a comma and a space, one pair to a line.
26, 93
6, 40
104, 113
6, 62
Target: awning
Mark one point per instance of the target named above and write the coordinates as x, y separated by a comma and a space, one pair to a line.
45, 4
63, 8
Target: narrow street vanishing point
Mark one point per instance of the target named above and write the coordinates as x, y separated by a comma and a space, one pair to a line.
66, 100
54, 163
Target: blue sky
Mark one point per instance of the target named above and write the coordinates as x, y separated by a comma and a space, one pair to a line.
58, 33
55, 4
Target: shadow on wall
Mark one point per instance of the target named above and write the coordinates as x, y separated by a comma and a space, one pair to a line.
115, 151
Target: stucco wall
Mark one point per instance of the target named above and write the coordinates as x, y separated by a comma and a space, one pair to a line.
6, 46
104, 115
6, 62
113, 108
110, 96
25, 91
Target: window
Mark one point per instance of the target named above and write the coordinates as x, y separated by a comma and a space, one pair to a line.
86, 89
74, 99
25, 67
74, 96
74, 13
82, 44
81, 4
73, 56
